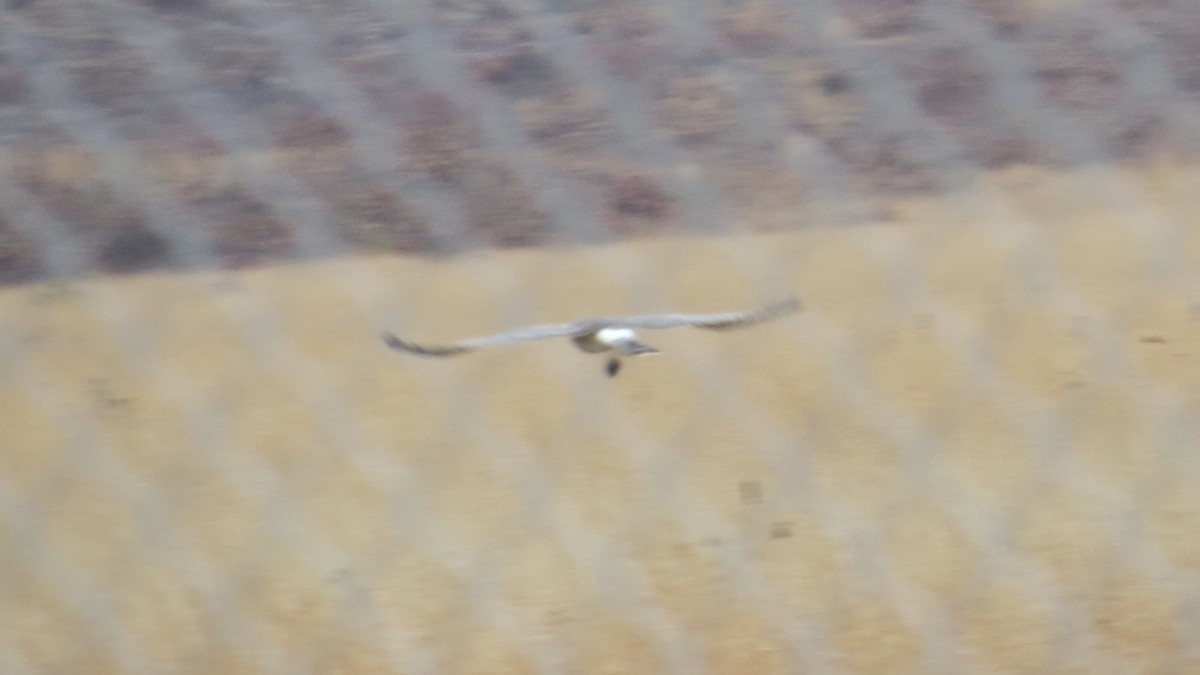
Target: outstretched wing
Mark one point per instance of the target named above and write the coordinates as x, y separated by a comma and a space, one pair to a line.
510, 337
721, 321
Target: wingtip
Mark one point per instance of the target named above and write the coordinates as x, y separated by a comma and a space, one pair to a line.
399, 345
422, 350
392, 341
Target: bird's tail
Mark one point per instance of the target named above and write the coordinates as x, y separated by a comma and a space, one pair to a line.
631, 347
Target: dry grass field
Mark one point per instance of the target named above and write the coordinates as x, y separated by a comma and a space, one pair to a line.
975, 452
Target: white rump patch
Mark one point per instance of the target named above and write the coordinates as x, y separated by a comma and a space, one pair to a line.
612, 335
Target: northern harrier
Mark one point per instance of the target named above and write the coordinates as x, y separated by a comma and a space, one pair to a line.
599, 334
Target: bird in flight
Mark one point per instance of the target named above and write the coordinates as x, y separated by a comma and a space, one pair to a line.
600, 334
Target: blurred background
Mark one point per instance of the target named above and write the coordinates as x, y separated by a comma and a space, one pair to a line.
976, 451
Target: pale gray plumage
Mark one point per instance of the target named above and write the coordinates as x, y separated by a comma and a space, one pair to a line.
589, 334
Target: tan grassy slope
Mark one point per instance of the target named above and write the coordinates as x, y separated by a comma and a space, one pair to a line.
977, 447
